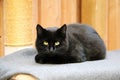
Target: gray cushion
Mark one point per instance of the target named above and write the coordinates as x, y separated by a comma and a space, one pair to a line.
23, 62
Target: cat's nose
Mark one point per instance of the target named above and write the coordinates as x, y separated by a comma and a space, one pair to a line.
51, 49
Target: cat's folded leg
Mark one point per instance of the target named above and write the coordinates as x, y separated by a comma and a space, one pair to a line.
38, 59
79, 56
83, 57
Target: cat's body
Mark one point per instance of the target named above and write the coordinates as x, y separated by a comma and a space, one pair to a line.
77, 43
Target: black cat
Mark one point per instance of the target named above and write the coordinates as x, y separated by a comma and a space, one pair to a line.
69, 44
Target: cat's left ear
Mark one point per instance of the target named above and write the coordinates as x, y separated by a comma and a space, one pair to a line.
63, 29
39, 29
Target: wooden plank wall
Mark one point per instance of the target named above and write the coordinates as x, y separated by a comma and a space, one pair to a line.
58, 12
103, 15
1, 29
114, 24
94, 13
70, 11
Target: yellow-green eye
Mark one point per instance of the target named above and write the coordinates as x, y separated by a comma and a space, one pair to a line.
45, 43
57, 43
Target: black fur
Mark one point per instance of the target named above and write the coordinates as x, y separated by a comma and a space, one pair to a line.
78, 43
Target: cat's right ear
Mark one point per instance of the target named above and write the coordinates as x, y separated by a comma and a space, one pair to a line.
39, 29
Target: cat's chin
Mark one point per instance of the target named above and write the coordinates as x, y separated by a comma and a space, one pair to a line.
51, 52
39, 59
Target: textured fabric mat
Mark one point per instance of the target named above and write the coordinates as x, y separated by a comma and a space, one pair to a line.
23, 62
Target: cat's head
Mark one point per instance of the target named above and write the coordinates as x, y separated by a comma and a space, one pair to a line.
51, 40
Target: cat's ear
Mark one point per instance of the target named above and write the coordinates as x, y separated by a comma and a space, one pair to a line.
63, 29
39, 29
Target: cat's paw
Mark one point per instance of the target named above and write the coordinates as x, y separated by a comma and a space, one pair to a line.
83, 59
38, 59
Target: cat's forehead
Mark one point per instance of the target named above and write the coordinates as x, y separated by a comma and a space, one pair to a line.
51, 32
52, 29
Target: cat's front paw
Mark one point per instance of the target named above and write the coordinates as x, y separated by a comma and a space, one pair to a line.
38, 59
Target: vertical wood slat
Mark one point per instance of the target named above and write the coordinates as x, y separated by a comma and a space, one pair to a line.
70, 11
50, 13
118, 24
94, 13
102, 19
114, 24
1, 29
39, 11
58, 12
88, 12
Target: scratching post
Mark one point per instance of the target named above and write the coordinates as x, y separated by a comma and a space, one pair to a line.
18, 22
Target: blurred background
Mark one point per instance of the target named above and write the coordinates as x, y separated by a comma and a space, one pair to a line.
18, 19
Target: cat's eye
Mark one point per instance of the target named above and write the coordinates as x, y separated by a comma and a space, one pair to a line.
57, 43
45, 43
